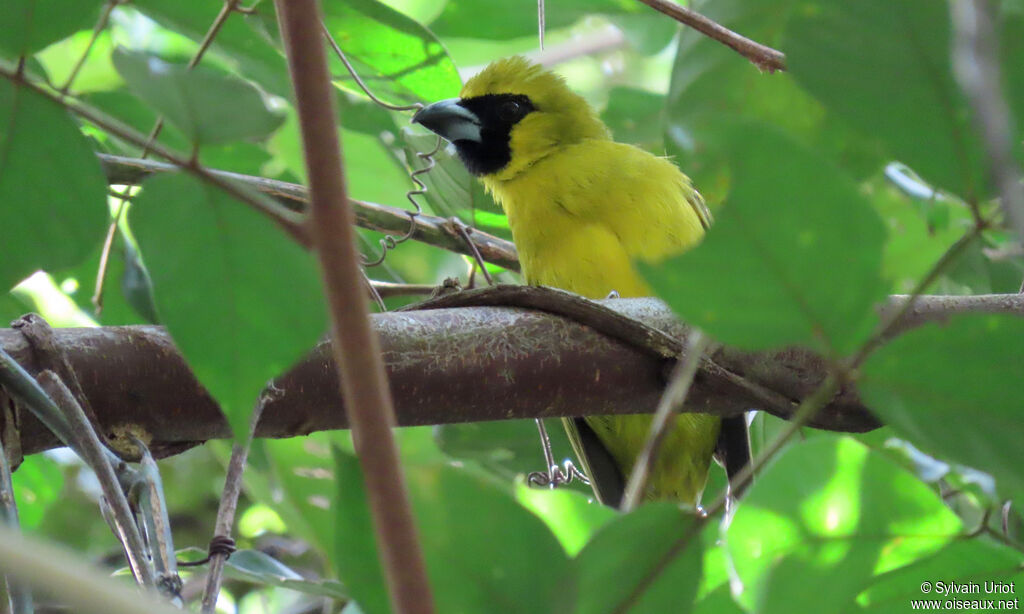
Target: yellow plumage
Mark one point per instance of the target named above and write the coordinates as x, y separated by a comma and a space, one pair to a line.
583, 209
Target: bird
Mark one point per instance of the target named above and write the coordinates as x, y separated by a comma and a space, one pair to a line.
583, 210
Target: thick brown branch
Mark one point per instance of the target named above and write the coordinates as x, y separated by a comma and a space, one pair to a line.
453, 365
432, 230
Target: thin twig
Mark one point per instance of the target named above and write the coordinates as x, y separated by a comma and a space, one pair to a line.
92, 452
387, 289
101, 270
976, 67
290, 222
355, 346
762, 56
101, 23
668, 407
211, 33
21, 596
226, 512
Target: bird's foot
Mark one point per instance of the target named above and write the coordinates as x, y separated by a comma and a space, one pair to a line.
613, 294
450, 285
554, 476
557, 476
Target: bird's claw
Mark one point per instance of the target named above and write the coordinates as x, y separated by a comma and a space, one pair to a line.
557, 476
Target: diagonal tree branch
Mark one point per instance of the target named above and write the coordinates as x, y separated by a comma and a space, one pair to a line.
764, 57
429, 229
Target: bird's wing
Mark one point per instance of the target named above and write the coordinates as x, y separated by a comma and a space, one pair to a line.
605, 477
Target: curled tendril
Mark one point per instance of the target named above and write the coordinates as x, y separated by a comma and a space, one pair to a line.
557, 476
390, 242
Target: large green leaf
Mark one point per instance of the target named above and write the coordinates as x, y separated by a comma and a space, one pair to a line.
826, 517
30, 25
955, 391
630, 565
885, 67
484, 552
794, 257
241, 300
398, 59
710, 80
53, 204
206, 105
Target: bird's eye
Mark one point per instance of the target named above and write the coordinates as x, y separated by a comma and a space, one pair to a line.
510, 111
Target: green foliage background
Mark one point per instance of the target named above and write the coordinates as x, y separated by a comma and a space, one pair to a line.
836, 183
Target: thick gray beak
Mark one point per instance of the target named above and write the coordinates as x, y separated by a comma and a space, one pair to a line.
450, 120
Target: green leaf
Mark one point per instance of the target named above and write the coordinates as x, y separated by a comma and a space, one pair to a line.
710, 81
247, 41
484, 552
241, 300
572, 516
961, 561
507, 448
885, 68
30, 25
96, 74
794, 257
824, 518
206, 105
398, 59
624, 567
37, 482
471, 19
261, 568
636, 117
955, 391
52, 190
718, 601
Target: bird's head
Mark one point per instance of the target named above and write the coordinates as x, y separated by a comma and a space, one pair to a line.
510, 116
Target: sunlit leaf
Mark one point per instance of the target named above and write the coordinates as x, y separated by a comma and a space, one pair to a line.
824, 518
400, 60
